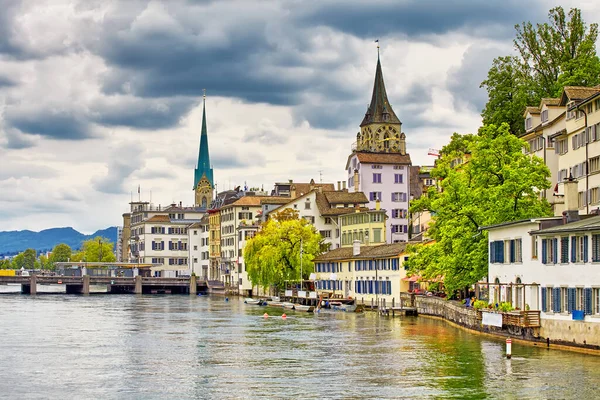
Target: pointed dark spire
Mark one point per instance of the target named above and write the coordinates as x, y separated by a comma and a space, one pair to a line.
380, 109
203, 166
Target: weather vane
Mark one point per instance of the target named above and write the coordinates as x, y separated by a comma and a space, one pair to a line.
204, 93
377, 41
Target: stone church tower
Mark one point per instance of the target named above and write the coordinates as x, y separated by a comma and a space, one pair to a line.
203, 173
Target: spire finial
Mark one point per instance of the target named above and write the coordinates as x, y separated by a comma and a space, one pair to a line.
377, 41
204, 93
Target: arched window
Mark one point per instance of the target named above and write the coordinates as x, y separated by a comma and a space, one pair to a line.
204, 202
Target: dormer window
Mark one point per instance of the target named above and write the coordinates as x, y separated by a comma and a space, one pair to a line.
528, 123
544, 115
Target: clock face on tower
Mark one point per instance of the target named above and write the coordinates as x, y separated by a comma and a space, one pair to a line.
204, 186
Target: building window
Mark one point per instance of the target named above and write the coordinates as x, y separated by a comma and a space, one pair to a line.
327, 220
376, 166
398, 197
528, 123
399, 213
596, 301
374, 196
398, 178
376, 178
325, 234
398, 167
564, 250
544, 115
549, 251
428, 182
562, 146
376, 235
307, 205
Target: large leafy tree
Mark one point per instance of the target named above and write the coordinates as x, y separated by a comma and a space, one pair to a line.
274, 254
495, 183
561, 52
60, 253
94, 250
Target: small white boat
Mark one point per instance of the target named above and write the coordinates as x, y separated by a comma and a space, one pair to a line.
301, 307
287, 304
250, 300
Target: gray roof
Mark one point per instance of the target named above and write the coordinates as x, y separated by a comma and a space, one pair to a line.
585, 224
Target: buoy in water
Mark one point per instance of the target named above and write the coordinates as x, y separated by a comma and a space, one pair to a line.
226, 298
284, 316
266, 315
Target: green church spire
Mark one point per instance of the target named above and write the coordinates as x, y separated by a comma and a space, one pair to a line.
203, 167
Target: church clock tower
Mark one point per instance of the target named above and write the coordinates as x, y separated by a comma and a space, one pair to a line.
203, 173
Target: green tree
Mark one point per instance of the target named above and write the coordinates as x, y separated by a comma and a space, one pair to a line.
495, 184
273, 255
29, 258
5, 264
18, 261
95, 250
550, 56
60, 253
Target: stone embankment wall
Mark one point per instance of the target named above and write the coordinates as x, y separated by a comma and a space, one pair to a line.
569, 332
451, 310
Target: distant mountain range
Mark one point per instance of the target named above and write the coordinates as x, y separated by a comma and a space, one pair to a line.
13, 242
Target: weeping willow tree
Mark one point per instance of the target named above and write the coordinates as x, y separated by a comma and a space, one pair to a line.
274, 254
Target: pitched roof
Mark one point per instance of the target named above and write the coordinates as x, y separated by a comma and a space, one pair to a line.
585, 224
303, 188
159, 218
343, 197
380, 109
274, 200
247, 201
575, 93
380, 158
366, 252
531, 110
326, 210
549, 101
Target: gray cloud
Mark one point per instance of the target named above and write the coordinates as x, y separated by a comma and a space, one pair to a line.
15, 140
266, 134
232, 159
416, 18
123, 160
57, 124
140, 113
463, 82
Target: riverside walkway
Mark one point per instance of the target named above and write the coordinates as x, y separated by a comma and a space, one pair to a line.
137, 285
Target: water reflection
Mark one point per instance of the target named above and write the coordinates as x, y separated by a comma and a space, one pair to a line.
132, 347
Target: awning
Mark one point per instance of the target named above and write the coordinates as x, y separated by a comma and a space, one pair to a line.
413, 278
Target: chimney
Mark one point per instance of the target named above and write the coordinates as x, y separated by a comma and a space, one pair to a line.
339, 185
293, 191
344, 185
180, 204
571, 212
377, 205
356, 182
356, 248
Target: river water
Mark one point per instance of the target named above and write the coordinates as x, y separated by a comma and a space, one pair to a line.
182, 347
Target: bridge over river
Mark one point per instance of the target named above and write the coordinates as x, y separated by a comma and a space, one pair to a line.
137, 284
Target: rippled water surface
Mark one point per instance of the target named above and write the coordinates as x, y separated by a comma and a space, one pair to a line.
157, 347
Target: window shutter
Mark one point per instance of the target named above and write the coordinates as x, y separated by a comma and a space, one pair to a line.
544, 300
571, 298
492, 254
512, 251
544, 251
555, 250
585, 248
573, 249
587, 300
574, 142
389, 288
556, 300
500, 252
595, 247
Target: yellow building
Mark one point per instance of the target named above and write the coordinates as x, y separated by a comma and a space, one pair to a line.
578, 147
214, 243
370, 274
366, 226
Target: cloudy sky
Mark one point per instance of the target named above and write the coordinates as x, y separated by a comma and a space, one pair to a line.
100, 96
